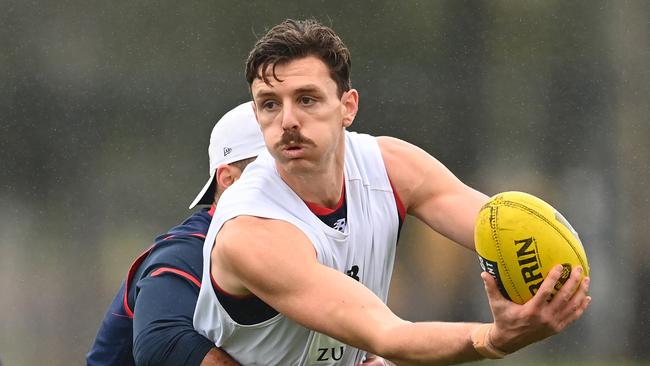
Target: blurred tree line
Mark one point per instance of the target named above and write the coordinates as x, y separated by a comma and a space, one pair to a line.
106, 110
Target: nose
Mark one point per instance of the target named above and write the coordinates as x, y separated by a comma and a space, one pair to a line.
289, 118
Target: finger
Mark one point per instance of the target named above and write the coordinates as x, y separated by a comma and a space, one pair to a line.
569, 290
545, 291
585, 284
577, 300
583, 307
369, 360
491, 287
577, 312
374, 361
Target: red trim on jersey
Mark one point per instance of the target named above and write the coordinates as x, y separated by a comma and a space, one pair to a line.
224, 292
129, 277
187, 276
319, 210
213, 208
198, 235
121, 315
134, 267
400, 206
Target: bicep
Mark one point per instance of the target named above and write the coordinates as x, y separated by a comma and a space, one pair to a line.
431, 192
277, 262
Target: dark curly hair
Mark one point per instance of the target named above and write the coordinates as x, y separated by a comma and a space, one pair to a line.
294, 39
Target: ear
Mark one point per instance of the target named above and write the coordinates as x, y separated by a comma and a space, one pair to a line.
350, 106
226, 176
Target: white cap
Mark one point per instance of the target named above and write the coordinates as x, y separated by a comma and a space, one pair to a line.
236, 136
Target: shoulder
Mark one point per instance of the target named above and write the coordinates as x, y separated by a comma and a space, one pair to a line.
393, 149
176, 253
404, 165
363, 161
361, 144
414, 172
247, 249
253, 231
182, 244
259, 192
254, 182
248, 237
195, 225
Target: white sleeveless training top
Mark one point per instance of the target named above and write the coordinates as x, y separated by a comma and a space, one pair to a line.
368, 243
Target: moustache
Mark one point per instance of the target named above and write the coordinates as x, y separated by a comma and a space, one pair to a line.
293, 137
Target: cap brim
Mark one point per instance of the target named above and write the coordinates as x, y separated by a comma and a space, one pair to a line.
201, 196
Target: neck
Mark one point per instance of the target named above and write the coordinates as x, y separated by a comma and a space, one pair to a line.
320, 189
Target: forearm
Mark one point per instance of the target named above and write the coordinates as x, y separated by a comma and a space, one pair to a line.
430, 343
367, 323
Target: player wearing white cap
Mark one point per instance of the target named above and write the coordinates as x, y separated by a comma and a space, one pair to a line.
150, 319
322, 281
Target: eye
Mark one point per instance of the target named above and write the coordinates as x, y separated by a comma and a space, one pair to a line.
304, 100
269, 105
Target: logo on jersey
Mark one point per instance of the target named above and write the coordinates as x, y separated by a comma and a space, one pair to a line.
227, 150
324, 351
340, 225
353, 272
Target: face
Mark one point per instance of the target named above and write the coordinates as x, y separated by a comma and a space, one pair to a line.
301, 117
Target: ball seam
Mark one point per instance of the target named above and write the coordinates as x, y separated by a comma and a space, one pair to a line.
555, 227
495, 236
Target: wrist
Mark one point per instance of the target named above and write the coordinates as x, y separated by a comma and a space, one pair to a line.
482, 342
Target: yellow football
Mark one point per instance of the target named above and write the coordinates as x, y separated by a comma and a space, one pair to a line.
519, 238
